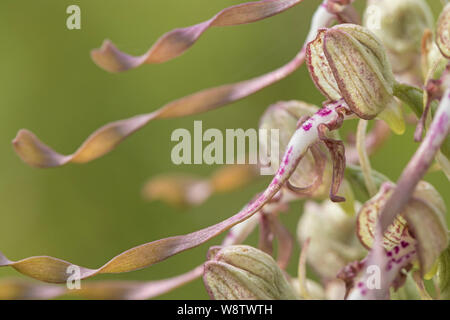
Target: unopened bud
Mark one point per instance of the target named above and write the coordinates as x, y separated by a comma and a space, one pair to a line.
443, 32
243, 272
399, 25
333, 242
349, 61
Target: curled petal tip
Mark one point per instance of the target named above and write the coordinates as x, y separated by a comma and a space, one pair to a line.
177, 41
34, 152
111, 59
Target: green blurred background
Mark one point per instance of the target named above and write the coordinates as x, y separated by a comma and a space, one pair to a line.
89, 213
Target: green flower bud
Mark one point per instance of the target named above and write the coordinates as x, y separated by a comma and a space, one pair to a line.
333, 242
243, 272
399, 25
443, 32
349, 61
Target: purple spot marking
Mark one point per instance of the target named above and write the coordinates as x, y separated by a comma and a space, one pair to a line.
360, 284
286, 159
324, 112
389, 253
404, 244
396, 249
307, 126
364, 292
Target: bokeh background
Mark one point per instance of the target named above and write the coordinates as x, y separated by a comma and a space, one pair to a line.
89, 213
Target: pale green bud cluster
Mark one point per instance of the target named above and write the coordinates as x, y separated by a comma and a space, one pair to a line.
243, 272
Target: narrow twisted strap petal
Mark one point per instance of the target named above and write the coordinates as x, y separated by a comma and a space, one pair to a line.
17, 289
50, 269
35, 153
176, 42
54, 270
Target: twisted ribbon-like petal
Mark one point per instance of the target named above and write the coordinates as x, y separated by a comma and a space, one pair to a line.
105, 139
54, 270
176, 42
35, 153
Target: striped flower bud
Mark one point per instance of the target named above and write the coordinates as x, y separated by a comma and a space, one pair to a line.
243, 272
333, 241
443, 32
349, 61
399, 25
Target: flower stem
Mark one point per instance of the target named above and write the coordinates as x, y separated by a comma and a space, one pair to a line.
419, 163
413, 97
364, 158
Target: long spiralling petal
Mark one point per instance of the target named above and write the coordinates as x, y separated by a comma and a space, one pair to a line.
13, 289
35, 153
176, 42
182, 190
54, 270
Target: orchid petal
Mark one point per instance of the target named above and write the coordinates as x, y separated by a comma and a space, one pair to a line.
265, 242
176, 42
181, 190
285, 242
368, 216
337, 151
320, 69
35, 153
97, 290
423, 218
13, 289
50, 269
178, 190
17, 289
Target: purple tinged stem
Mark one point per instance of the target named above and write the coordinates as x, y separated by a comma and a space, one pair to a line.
418, 165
